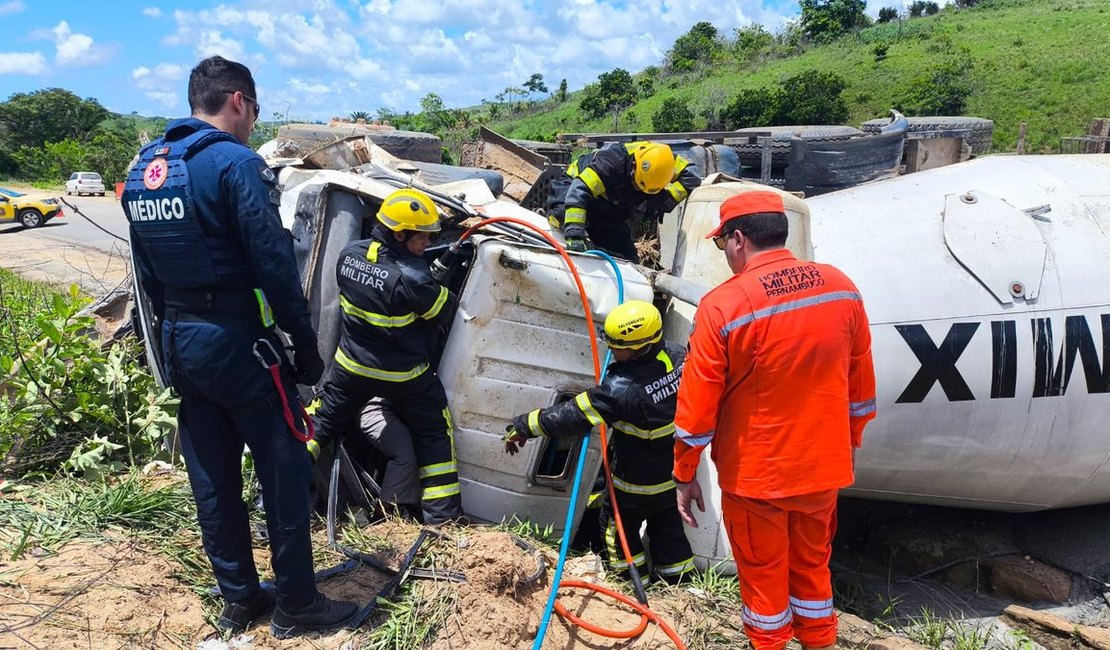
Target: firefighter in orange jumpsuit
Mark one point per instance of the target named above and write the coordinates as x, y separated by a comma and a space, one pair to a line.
779, 378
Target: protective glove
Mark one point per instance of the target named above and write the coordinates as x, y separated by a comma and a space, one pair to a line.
576, 238
307, 364
514, 439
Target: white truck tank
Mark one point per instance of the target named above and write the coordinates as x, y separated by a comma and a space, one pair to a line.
985, 284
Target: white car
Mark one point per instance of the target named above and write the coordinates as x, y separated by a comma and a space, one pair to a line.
85, 183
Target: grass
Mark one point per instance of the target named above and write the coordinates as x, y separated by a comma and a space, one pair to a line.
49, 514
414, 619
1033, 61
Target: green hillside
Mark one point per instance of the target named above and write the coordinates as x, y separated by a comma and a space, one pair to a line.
1043, 62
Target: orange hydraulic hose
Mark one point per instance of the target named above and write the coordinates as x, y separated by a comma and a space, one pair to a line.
641, 608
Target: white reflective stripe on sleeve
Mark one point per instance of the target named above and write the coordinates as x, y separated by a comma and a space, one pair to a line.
857, 409
694, 440
811, 608
762, 622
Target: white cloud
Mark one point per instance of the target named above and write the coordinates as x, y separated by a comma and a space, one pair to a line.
168, 100
77, 49
213, 42
310, 88
11, 7
161, 83
152, 12
370, 53
22, 63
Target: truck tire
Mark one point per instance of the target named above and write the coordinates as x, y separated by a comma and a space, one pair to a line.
31, 218
981, 129
409, 145
751, 154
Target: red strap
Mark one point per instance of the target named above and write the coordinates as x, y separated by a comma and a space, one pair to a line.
275, 372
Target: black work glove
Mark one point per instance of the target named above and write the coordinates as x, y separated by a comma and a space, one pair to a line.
516, 434
576, 238
307, 364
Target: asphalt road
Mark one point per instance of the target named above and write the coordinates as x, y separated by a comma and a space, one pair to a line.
103, 214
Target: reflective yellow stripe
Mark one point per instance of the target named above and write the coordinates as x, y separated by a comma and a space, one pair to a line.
441, 491
595, 500
450, 431
372, 251
439, 469
574, 216
437, 306
313, 406
553, 222
666, 359
534, 423
381, 320
678, 192
592, 181
375, 373
664, 431
264, 311
572, 169
313, 448
584, 405
678, 568
680, 164
633, 488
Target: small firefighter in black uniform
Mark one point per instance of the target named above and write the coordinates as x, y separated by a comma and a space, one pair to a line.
637, 400
394, 313
602, 188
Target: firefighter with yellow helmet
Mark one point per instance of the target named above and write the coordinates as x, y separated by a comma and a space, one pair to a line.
393, 313
602, 188
637, 401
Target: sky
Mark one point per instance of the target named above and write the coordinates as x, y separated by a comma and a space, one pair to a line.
315, 59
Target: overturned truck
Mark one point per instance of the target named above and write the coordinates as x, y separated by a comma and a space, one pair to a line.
991, 332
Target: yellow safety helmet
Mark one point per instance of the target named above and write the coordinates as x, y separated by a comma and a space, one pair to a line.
654, 167
409, 209
633, 324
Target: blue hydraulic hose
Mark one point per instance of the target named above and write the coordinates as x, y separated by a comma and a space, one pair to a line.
564, 545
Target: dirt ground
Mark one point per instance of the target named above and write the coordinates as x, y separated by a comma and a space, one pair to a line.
48, 260
116, 594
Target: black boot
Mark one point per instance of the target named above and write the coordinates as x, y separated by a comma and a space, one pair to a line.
236, 617
322, 615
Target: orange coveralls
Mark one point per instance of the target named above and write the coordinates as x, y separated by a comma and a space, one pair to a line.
779, 378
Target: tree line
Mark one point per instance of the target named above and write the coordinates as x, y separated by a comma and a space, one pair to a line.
47, 134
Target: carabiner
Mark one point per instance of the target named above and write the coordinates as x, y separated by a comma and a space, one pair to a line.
273, 351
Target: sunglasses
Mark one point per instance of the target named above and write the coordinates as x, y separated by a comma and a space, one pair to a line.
257, 107
722, 240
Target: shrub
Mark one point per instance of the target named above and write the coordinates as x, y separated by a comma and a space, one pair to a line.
70, 404
887, 14
811, 97
674, 116
943, 91
750, 108
880, 51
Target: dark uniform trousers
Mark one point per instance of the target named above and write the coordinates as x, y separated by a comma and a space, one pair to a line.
421, 404
671, 557
228, 400
609, 226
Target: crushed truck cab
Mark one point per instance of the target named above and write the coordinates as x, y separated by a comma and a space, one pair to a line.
990, 326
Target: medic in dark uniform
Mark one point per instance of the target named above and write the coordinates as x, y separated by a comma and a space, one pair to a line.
394, 314
637, 400
219, 271
602, 188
